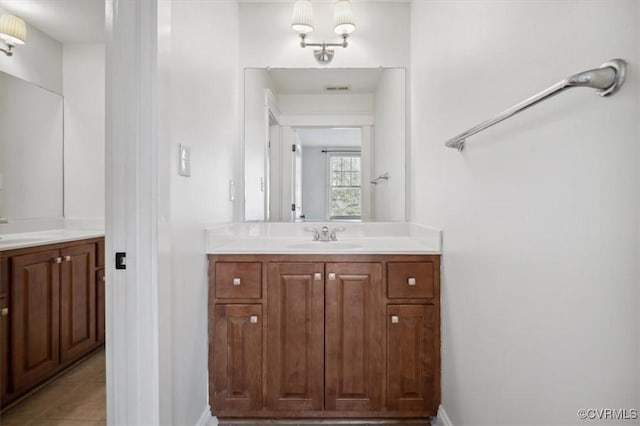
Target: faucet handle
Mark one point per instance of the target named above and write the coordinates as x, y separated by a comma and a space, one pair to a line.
316, 234
333, 232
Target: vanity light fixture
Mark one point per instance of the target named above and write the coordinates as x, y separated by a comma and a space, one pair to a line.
13, 31
344, 25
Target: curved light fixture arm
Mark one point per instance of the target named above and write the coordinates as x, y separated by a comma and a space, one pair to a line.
324, 54
607, 80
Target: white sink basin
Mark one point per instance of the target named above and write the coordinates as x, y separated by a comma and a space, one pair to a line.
325, 246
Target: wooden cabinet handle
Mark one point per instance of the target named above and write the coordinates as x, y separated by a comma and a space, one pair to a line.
4, 312
332, 276
411, 281
67, 258
56, 260
395, 319
237, 281
317, 276
253, 319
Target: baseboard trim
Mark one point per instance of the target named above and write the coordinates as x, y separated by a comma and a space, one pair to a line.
206, 419
443, 417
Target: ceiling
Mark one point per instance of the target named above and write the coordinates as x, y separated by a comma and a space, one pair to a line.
314, 80
68, 21
330, 137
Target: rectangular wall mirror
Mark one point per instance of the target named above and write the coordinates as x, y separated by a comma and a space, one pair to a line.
324, 144
31, 151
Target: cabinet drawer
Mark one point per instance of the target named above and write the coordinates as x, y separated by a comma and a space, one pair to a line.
410, 280
238, 280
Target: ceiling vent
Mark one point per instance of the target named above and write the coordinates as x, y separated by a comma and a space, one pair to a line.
337, 89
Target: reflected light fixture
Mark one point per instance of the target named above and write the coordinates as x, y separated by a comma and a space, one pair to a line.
344, 25
13, 31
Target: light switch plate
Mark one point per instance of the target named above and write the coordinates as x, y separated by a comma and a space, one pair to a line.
184, 164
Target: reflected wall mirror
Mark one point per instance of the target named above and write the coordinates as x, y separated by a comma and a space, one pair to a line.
31, 151
324, 144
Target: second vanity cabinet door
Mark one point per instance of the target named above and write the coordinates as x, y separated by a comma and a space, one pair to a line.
354, 323
34, 315
295, 336
100, 306
237, 361
77, 301
411, 358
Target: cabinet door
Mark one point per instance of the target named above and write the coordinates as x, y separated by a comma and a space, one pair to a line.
77, 302
354, 322
295, 336
411, 359
4, 329
100, 306
34, 316
237, 357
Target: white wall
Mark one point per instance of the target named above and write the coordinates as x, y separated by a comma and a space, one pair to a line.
381, 37
389, 146
540, 213
39, 61
204, 115
84, 132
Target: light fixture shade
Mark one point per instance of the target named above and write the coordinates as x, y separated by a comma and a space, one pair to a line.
302, 19
13, 30
343, 18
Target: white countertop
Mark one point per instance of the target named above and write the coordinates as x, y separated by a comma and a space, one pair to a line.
291, 238
52, 236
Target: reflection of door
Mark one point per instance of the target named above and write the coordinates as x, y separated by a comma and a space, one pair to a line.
296, 203
270, 181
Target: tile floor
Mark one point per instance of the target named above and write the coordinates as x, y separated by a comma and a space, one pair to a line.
77, 398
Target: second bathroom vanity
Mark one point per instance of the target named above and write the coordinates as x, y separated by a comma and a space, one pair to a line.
312, 329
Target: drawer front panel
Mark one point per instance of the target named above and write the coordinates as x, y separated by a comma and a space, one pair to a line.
410, 280
238, 280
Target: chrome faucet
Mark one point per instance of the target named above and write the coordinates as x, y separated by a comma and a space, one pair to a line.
324, 234
333, 236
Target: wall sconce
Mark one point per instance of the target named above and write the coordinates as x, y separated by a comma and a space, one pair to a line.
344, 25
13, 31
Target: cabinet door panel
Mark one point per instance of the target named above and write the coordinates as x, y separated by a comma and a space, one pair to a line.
100, 306
34, 317
77, 302
411, 358
237, 360
353, 332
295, 343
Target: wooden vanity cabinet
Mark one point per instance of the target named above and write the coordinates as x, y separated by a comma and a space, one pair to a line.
354, 328
295, 336
238, 352
77, 302
35, 307
48, 321
324, 336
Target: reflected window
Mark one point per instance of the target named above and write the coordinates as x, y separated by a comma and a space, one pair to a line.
345, 186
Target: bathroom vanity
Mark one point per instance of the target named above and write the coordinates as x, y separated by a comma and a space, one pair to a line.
51, 305
310, 329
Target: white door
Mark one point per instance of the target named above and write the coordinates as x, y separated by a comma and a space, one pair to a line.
296, 202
